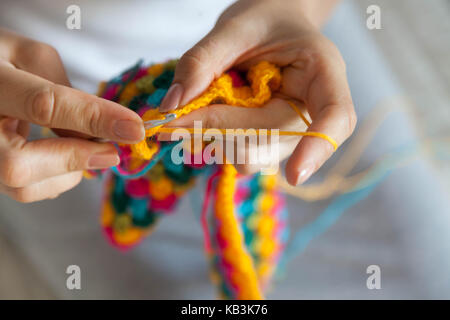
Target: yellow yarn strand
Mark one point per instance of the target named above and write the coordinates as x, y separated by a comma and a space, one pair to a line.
296, 109
264, 78
255, 132
244, 274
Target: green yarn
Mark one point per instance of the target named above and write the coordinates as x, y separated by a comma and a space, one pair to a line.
164, 80
138, 102
145, 84
120, 198
170, 65
149, 218
156, 98
120, 202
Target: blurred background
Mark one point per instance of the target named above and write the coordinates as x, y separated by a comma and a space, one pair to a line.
403, 226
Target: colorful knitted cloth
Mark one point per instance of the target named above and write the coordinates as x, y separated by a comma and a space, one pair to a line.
244, 217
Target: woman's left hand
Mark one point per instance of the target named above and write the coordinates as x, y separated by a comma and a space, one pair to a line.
314, 74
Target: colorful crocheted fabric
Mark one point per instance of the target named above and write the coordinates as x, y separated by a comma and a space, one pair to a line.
244, 218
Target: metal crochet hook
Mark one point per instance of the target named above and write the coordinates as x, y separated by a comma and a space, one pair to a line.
155, 123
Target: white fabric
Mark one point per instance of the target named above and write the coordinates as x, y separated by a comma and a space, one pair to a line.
402, 226
114, 33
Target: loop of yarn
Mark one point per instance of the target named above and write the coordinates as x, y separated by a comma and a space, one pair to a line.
247, 230
264, 78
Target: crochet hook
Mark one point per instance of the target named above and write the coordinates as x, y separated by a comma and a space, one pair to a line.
155, 123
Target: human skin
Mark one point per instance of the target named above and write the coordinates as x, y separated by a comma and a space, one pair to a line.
34, 89
286, 33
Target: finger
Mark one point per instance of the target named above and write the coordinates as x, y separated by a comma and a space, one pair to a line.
23, 129
215, 116
42, 60
32, 56
336, 121
23, 163
46, 189
324, 87
208, 59
276, 114
28, 97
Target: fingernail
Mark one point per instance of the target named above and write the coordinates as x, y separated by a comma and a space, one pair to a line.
172, 98
304, 174
103, 160
129, 130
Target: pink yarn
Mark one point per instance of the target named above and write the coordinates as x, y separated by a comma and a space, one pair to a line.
166, 204
110, 92
236, 79
137, 188
240, 195
141, 73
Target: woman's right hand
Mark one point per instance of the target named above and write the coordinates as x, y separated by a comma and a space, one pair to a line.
34, 89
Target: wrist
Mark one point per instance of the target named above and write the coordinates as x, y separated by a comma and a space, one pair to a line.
317, 12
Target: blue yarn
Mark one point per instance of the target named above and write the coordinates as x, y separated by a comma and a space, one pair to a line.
343, 202
164, 149
138, 208
156, 98
324, 221
246, 208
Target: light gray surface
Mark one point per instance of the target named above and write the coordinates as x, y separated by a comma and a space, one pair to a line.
402, 226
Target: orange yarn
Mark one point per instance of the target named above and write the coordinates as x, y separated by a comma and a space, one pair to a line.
248, 278
244, 275
264, 78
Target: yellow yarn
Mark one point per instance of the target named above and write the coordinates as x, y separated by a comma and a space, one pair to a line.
156, 69
132, 235
107, 216
244, 275
161, 189
264, 78
129, 92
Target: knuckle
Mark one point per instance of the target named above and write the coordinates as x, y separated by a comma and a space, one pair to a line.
23, 195
213, 119
14, 172
78, 177
54, 196
352, 120
72, 162
36, 53
42, 52
347, 120
196, 57
93, 119
40, 106
326, 54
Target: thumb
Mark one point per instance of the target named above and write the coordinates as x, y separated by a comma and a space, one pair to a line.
208, 59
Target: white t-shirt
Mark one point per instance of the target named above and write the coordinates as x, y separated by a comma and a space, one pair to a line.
114, 33
402, 226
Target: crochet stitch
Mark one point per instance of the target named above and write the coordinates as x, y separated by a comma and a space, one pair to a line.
246, 232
